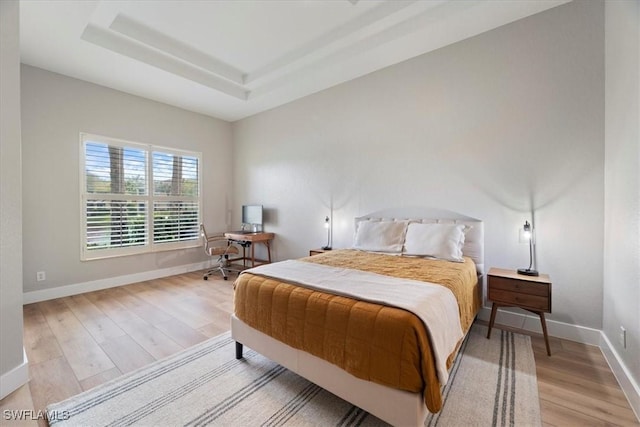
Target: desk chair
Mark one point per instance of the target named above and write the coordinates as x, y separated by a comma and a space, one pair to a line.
218, 246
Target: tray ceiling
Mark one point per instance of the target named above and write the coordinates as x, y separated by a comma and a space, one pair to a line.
233, 59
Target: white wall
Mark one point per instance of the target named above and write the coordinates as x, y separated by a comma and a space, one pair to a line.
505, 126
622, 184
55, 109
11, 353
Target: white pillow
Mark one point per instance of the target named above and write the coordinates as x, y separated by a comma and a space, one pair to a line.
443, 241
380, 236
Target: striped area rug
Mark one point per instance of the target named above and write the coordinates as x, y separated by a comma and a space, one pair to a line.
492, 383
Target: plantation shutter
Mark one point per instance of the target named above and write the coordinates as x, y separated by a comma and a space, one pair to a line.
115, 177
176, 202
137, 198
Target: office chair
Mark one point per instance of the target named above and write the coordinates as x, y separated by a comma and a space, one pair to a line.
218, 246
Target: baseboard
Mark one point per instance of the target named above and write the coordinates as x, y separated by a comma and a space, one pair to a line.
111, 282
531, 323
576, 333
15, 378
629, 386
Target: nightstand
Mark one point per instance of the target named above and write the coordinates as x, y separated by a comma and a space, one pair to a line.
507, 288
318, 251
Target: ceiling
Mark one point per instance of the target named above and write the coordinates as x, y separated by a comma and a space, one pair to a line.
233, 59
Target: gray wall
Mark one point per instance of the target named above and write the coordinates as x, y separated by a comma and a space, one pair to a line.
505, 126
55, 109
622, 182
10, 195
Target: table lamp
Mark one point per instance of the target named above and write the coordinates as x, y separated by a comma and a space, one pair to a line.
327, 225
528, 234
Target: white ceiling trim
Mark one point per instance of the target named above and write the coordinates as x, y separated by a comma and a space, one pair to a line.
403, 28
145, 44
144, 34
341, 35
233, 59
125, 46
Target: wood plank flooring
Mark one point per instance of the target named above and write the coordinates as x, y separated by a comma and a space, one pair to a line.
78, 342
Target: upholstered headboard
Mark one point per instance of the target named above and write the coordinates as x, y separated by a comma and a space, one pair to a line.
474, 237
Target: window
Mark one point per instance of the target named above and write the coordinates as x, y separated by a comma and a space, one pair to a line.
137, 198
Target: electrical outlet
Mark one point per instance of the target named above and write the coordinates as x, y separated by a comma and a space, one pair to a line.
41, 276
622, 338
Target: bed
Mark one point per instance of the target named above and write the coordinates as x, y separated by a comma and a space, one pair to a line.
378, 355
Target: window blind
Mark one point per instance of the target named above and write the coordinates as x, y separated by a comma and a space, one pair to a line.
137, 198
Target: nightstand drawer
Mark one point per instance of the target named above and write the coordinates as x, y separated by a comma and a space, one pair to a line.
534, 302
524, 287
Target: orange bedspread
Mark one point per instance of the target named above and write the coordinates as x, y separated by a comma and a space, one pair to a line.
387, 345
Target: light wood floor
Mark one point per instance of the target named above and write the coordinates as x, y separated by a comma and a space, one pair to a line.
78, 342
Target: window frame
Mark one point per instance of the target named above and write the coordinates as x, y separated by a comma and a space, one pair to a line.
150, 199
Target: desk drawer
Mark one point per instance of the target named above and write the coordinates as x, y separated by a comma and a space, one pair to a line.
533, 302
540, 289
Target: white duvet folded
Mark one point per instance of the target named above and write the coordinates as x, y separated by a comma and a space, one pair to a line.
435, 305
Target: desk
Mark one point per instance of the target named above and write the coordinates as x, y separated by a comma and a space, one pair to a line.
249, 239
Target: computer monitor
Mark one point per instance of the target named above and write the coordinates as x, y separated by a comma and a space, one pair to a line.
252, 216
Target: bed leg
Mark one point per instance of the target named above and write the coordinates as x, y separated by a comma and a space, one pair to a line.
238, 350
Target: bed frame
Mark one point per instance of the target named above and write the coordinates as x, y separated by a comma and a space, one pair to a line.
397, 407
